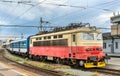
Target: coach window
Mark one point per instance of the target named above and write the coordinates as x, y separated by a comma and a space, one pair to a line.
116, 45
74, 38
104, 45
17, 44
23, 43
60, 36
55, 36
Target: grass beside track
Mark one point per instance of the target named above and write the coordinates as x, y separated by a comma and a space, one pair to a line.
34, 63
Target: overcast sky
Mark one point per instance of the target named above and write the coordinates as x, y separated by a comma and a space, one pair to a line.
95, 12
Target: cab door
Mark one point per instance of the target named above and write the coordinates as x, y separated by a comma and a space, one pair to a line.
73, 45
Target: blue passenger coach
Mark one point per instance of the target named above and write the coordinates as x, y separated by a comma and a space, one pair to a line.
19, 46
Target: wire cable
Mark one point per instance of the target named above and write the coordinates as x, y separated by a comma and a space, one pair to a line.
83, 9
27, 11
14, 9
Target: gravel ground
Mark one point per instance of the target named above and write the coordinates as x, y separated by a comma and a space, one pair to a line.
80, 73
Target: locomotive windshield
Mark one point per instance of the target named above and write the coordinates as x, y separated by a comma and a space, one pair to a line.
99, 36
88, 36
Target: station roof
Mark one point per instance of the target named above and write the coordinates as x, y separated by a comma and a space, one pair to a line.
109, 36
115, 19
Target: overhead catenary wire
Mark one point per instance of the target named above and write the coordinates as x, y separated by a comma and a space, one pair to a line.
63, 4
27, 10
40, 10
14, 9
90, 7
21, 26
93, 13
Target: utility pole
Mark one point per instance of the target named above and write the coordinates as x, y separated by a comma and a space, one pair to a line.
21, 35
41, 24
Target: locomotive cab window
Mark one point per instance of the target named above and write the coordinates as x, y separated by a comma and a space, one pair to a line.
99, 36
87, 36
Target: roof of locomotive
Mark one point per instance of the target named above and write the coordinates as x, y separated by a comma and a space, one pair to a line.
75, 30
20, 40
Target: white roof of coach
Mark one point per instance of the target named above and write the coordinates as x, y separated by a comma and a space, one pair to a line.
18, 40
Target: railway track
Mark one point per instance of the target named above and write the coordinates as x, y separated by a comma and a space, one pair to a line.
108, 71
111, 72
41, 71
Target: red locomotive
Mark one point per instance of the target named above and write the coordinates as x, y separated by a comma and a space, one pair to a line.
81, 46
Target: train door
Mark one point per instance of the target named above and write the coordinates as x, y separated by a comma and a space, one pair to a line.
12, 45
73, 45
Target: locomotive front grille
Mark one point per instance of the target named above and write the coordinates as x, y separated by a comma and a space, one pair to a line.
93, 58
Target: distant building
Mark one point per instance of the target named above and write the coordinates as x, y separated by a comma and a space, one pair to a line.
7, 42
111, 43
111, 40
0, 43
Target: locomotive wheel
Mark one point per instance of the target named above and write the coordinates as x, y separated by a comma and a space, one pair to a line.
37, 58
31, 57
58, 60
81, 63
40, 58
65, 61
70, 62
43, 59
54, 59
34, 57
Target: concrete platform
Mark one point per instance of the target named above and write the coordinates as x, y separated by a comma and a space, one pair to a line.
114, 63
114, 55
7, 71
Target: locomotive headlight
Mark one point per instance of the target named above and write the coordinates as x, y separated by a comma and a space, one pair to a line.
100, 49
89, 49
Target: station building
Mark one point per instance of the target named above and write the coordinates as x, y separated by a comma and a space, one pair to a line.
111, 40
